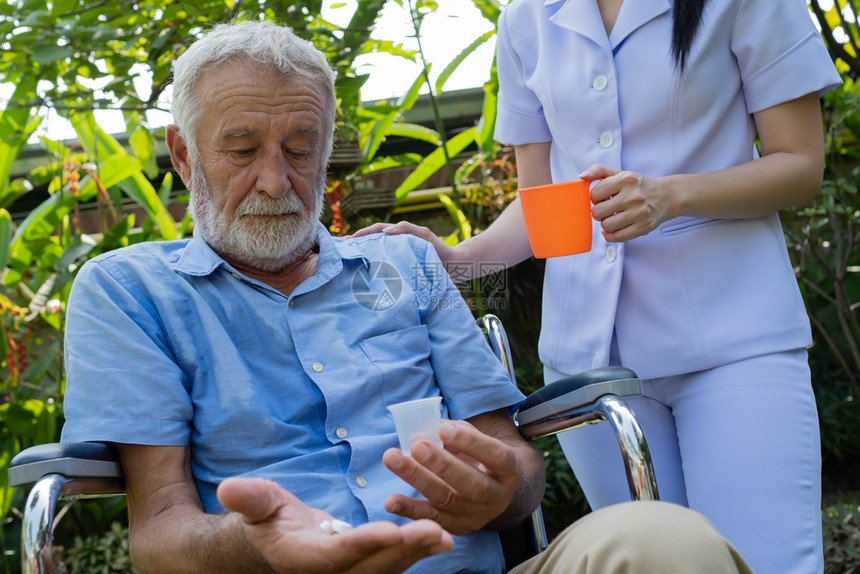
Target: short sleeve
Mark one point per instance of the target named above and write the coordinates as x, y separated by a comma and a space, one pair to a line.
520, 118
780, 53
123, 385
470, 377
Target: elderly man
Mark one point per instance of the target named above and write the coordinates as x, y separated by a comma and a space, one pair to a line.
244, 374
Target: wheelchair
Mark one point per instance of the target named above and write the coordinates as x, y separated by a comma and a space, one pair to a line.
79, 470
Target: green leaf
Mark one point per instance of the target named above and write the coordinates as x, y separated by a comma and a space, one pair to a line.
16, 125
465, 53
50, 53
46, 359
134, 185
5, 236
166, 188
141, 141
9, 447
32, 418
457, 216
434, 162
47, 289
4, 341
79, 248
382, 127
49, 213
415, 131
487, 123
55, 148
392, 161
117, 236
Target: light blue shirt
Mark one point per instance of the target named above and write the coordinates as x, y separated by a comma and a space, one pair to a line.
694, 293
167, 344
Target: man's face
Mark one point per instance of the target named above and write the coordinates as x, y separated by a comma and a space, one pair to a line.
257, 185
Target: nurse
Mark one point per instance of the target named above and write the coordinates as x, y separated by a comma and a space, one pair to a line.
688, 281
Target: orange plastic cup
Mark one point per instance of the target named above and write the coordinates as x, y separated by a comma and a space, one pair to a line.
558, 218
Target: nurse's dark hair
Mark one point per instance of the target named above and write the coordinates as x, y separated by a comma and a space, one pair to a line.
686, 18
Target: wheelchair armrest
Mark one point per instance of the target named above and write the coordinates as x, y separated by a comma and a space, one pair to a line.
95, 462
575, 392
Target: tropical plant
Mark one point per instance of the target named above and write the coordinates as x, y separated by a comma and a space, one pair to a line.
74, 59
841, 525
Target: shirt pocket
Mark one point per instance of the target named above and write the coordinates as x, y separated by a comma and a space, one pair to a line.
681, 225
403, 360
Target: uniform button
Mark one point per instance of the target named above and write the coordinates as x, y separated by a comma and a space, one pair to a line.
317, 367
600, 83
606, 139
611, 253
237, 276
292, 303
361, 482
341, 432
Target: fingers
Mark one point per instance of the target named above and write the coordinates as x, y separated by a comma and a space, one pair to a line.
375, 228
598, 171
256, 499
627, 205
286, 534
402, 227
417, 540
464, 488
416, 230
493, 457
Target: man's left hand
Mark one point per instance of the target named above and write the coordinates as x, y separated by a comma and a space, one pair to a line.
466, 484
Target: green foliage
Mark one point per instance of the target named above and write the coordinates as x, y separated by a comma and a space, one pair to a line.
823, 243
75, 57
101, 554
840, 31
841, 527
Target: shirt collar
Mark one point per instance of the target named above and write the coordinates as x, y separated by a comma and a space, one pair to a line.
199, 259
583, 17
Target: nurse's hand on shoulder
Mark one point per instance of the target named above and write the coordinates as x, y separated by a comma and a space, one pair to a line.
287, 534
627, 204
446, 252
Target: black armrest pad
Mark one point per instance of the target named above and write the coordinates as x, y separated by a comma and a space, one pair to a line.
58, 450
76, 461
576, 382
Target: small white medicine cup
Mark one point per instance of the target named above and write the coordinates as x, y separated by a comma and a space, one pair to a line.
417, 420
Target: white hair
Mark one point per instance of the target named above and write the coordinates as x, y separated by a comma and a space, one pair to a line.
257, 43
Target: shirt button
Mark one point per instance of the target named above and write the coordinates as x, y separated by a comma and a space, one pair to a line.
600, 83
611, 253
361, 482
292, 303
606, 139
317, 367
237, 276
341, 432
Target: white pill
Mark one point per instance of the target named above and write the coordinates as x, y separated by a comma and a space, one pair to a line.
327, 527
340, 526
334, 526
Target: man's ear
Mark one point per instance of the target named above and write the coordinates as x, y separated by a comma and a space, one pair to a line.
179, 154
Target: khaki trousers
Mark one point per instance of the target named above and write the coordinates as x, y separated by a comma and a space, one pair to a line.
638, 537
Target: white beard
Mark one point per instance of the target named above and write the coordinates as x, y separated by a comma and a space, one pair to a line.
265, 243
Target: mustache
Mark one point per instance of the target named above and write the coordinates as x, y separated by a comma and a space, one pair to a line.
264, 205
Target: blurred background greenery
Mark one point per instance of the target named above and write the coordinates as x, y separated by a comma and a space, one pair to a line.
426, 155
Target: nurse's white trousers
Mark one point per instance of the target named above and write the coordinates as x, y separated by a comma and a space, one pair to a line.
738, 443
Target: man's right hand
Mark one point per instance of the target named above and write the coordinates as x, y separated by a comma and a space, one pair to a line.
286, 534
